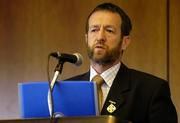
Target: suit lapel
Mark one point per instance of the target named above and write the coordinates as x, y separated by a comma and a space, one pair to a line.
120, 86
85, 76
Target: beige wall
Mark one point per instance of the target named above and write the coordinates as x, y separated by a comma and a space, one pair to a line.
30, 29
174, 51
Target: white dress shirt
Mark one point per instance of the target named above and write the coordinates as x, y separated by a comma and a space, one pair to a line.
108, 76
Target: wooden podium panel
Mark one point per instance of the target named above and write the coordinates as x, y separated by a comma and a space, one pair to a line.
90, 119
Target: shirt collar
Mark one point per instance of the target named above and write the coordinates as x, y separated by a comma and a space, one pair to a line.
108, 75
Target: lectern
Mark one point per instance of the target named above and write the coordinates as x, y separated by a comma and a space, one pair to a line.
90, 119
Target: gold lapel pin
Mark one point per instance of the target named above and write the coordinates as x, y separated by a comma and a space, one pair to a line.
111, 108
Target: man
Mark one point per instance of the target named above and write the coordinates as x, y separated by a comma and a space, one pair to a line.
127, 94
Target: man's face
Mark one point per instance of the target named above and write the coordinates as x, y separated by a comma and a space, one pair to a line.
104, 37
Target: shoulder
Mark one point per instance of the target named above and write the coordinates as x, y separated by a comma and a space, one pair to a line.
141, 81
138, 76
84, 76
148, 83
145, 77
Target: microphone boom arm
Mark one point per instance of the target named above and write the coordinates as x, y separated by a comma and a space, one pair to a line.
58, 71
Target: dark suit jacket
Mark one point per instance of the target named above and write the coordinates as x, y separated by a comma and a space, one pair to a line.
138, 97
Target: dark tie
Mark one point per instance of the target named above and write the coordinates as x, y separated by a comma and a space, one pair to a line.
99, 81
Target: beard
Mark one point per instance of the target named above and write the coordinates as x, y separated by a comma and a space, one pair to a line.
108, 56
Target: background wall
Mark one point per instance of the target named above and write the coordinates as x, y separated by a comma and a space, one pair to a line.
31, 29
174, 52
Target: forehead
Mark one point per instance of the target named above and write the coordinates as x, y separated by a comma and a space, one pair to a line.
105, 18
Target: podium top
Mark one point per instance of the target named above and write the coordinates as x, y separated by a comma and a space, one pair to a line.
88, 119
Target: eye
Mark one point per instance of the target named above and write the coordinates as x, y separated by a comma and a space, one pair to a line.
93, 29
110, 30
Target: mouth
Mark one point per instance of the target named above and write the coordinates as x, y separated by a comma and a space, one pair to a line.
99, 47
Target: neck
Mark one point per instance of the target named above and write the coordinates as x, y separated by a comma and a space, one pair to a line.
100, 68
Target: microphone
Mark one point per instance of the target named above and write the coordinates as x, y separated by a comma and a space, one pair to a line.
75, 58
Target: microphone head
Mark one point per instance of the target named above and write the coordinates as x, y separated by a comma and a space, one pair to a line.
79, 59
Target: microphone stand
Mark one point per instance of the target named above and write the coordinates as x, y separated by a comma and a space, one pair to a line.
58, 71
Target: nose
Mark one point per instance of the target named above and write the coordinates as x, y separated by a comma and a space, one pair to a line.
101, 36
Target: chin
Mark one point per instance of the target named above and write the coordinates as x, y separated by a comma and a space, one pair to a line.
98, 56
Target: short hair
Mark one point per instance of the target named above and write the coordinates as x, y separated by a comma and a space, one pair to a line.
126, 25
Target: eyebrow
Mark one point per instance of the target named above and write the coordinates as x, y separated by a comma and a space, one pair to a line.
94, 26
110, 26
106, 26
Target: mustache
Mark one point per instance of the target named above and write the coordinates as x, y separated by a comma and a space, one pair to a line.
100, 45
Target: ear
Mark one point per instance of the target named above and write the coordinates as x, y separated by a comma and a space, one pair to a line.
86, 38
125, 42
